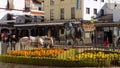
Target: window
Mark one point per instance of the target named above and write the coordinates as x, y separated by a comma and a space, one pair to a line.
9, 4
73, 13
62, 13
102, 12
27, 5
62, 31
51, 14
9, 17
77, 4
102, 0
51, 2
87, 10
87, 35
95, 11
39, 8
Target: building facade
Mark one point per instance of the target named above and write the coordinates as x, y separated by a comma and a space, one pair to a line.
73, 9
22, 7
11, 9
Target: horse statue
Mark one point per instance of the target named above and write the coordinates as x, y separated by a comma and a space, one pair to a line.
44, 41
73, 32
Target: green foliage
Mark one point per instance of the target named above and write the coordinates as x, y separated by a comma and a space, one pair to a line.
67, 54
65, 60
55, 62
38, 61
105, 51
94, 62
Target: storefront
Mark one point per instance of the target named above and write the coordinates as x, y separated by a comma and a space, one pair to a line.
101, 31
89, 29
104, 31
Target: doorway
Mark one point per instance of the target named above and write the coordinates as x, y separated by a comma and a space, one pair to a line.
109, 35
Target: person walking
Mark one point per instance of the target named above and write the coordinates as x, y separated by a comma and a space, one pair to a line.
106, 43
13, 42
115, 37
92, 38
4, 37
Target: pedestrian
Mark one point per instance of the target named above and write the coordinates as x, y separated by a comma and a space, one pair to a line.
4, 37
115, 40
13, 42
92, 38
106, 42
118, 41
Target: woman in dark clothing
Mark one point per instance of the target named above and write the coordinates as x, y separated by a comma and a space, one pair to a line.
13, 42
92, 38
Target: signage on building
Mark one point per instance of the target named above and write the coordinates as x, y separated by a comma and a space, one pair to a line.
88, 27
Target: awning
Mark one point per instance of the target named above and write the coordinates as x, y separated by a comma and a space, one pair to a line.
37, 13
41, 24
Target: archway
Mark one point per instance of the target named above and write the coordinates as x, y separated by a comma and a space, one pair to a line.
34, 32
24, 32
6, 30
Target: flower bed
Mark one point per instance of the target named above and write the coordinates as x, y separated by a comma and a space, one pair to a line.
36, 52
60, 57
97, 58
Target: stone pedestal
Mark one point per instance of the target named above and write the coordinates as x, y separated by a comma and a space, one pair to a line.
3, 48
0, 48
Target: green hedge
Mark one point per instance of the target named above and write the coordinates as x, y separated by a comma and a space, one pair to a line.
105, 51
55, 62
64, 61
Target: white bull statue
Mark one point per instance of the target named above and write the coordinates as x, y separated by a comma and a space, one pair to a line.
31, 41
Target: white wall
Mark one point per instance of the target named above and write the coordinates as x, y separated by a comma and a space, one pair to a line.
35, 6
111, 9
3, 16
3, 3
92, 4
3, 13
116, 15
19, 4
111, 5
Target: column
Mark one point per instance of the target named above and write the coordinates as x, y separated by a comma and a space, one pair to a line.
28, 46
116, 31
29, 31
49, 33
